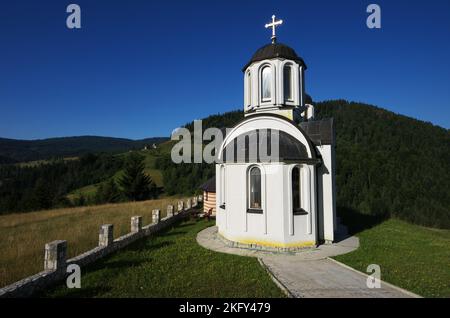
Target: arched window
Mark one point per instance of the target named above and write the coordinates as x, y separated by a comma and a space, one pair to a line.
296, 205
266, 83
287, 83
254, 191
248, 96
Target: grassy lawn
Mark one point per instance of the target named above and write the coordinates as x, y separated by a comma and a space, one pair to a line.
410, 256
172, 264
88, 192
23, 235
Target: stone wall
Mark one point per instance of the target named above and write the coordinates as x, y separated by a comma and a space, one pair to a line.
55, 263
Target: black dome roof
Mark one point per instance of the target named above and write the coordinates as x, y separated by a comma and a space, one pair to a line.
274, 50
289, 148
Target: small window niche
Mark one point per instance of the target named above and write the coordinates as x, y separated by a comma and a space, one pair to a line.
248, 93
254, 191
296, 192
287, 83
266, 84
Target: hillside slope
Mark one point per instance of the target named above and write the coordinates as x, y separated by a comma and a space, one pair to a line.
150, 156
387, 164
410, 256
27, 150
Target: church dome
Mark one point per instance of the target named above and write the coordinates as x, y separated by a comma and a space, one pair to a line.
289, 148
275, 50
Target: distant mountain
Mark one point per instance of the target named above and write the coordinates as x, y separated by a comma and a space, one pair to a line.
13, 150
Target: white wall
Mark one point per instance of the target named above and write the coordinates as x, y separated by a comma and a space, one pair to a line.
277, 226
326, 194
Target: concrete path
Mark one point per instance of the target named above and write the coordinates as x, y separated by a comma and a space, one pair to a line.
311, 273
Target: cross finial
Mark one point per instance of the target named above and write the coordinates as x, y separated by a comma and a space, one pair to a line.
273, 25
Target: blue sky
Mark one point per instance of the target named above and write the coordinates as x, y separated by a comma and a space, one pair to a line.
142, 68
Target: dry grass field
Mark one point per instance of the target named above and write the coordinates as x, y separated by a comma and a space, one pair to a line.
23, 236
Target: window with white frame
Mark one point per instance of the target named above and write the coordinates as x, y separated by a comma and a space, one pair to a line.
287, 83
248, 96
296, 203
297, 175
266, 83
254, 190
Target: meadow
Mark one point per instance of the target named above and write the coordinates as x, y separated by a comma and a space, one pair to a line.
410, 256
23, 235
172, 264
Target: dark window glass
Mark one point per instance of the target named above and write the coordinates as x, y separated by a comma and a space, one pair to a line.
255, 188
296, 189
287, 82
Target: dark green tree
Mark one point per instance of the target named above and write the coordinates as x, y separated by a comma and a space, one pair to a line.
42, 196
136, 185
80, 200
108, 192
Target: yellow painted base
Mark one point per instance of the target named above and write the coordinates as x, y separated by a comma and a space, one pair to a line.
276, 244
288, 113
272, 244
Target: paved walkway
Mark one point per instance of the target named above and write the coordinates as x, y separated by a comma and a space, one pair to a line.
311, 273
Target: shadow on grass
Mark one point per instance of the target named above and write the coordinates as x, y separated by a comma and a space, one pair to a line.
357, 221
86, 292
173, 233
183, 225
148, 245
123, 264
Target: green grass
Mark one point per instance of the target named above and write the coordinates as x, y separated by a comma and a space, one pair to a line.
172, 264
410, 256
86, 191
23, 235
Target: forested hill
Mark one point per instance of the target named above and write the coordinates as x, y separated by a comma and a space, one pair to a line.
390, 164
12, 150
387, 164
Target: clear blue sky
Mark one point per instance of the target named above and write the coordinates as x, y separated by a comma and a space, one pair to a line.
142, 68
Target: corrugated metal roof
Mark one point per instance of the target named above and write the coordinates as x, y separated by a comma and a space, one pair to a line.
321, 132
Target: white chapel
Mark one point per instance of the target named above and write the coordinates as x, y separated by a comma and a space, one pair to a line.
275, 170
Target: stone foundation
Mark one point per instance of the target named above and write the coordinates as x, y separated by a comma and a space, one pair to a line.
259, 247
